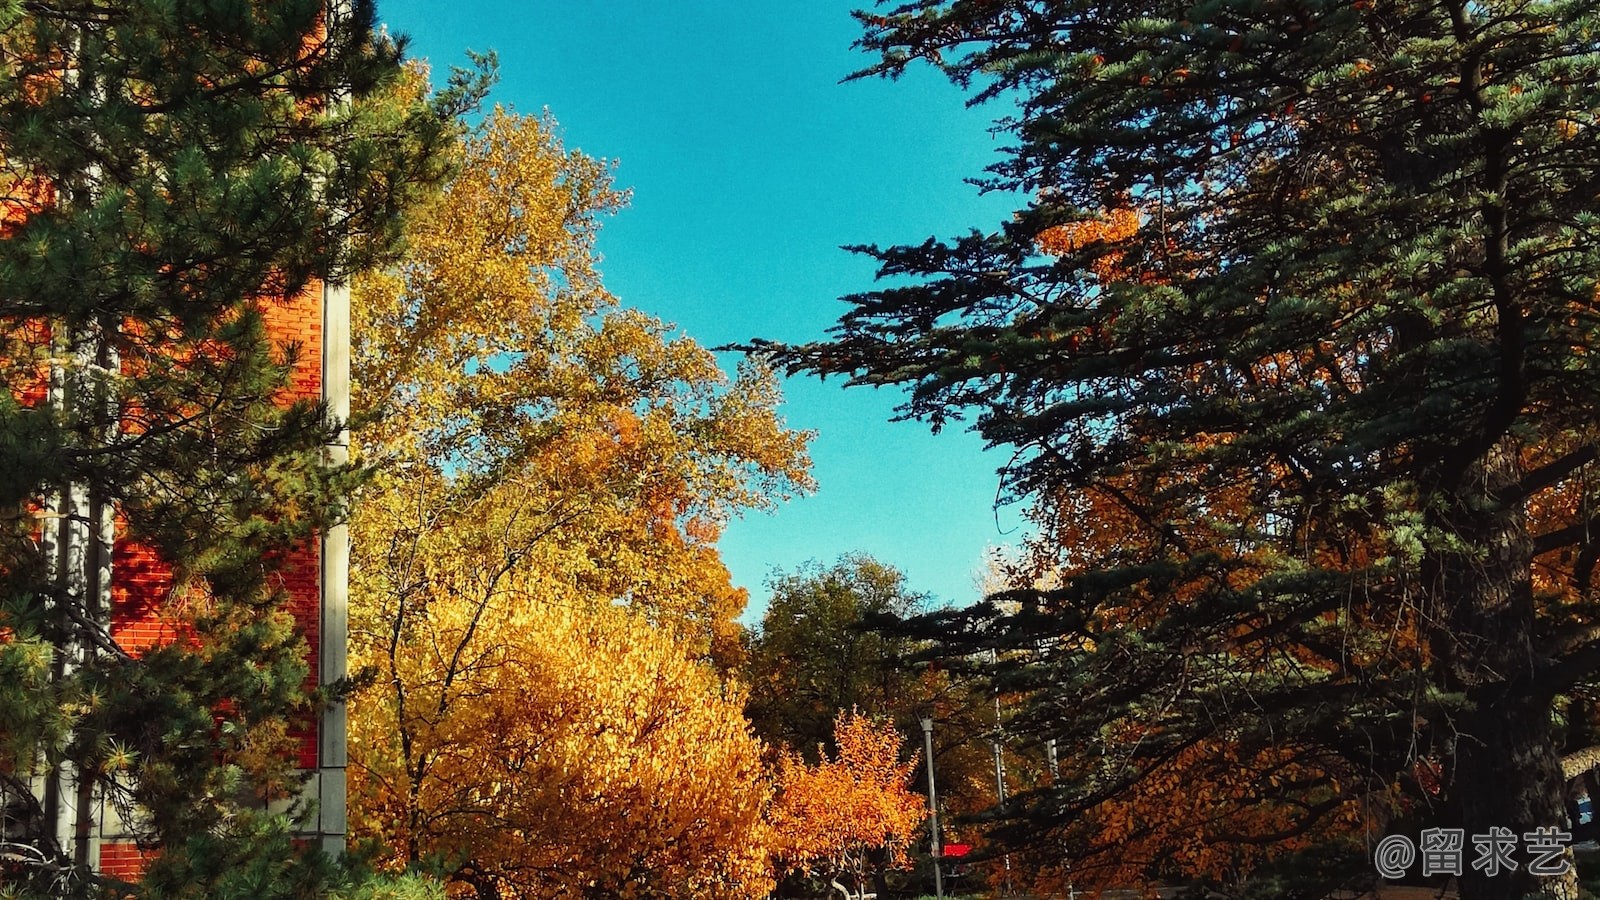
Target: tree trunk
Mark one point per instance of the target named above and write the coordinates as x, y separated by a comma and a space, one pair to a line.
1505, 773
878, 859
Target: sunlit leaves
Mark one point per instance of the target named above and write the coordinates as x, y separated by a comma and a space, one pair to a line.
574, 750
830, 816
1292, 343
535, 586
495, 357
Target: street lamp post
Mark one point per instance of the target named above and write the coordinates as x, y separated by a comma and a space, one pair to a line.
933, 807
1000, 769
1000, 790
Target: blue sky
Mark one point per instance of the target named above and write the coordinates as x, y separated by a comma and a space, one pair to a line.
750, 164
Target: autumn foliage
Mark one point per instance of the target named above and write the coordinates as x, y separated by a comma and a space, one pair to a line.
1101, 233
584, 752
832, 818
1314, 423
535, 584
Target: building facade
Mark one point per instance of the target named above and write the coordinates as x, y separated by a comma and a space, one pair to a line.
133, 584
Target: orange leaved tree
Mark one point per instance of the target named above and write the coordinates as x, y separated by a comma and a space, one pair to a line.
851, 815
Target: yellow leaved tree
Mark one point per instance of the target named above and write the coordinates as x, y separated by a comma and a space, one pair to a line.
577, 752
535, 586
842, 817
494, 354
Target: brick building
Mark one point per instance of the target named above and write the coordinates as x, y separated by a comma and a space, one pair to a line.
135, 584
127, 586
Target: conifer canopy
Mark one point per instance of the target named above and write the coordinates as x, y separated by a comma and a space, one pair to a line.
169, 169
1294, 340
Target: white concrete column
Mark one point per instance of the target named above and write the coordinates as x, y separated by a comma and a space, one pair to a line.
332, 753
334, 630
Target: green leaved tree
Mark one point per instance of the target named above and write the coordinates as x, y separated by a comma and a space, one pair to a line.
1304, 300
815, 656
822, 653
169, 169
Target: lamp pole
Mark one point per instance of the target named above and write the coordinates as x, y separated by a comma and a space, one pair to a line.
1000, 769
933, 807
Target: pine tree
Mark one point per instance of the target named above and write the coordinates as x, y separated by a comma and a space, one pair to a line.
170, 169
1321, 336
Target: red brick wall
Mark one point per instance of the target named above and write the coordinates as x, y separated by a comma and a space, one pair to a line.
300, 578
140, 586
299, 323
141, 583
123, 859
